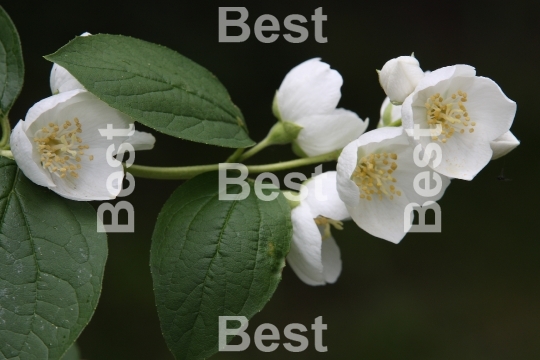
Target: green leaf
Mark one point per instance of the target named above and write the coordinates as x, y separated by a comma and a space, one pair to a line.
51, 267
73, 353
11, 63
157, 87
214, 258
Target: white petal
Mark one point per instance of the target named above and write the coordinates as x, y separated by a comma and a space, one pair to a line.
407, 171
381, 218
47, 104
445, 73
305, 255
61, 80
322, 134
309, 88
503, 145
331, 260
464, 156
489, 107
407, 118
322, 197
27, 159
346, 188
371, 139
92, 181
95, 114
141, 140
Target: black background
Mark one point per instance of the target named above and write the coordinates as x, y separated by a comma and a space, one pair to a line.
471, 292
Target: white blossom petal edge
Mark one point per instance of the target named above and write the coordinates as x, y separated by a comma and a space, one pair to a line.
59, 145
314, 254
61, 80
472, 112
375, 179
503, 145
308, 97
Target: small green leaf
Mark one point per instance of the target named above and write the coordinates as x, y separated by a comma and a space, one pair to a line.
157, 87
214, 258
51, 267
11, 63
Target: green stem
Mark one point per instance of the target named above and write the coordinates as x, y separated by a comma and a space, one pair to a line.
291, 164
170, 173
235, 156
283, 132
187, 172
6, 131
263, 144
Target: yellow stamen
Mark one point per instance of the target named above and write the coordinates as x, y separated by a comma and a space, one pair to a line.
373, 176
450, 113
326, 222
59, 148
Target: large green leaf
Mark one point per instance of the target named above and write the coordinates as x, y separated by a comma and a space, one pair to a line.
214, 258
157, 87
11, 63
51, 267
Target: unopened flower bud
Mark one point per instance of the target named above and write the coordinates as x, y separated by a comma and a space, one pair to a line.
399, 77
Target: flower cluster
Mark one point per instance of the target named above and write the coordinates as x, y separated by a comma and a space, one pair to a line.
467, 119
464, 119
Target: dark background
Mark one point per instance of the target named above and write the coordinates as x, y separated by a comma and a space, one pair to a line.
470, 292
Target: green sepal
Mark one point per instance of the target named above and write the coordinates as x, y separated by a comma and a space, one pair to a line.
275, 108
283, 132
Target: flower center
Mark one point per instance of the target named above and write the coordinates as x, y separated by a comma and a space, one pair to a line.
450, 113
373, 176
326, 222
61, 149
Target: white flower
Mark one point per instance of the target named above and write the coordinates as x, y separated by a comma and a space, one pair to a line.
314, 254
472, 111
61, 80
308, 97
375, 179
503, 145
399, 76
59, 145
390, 114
